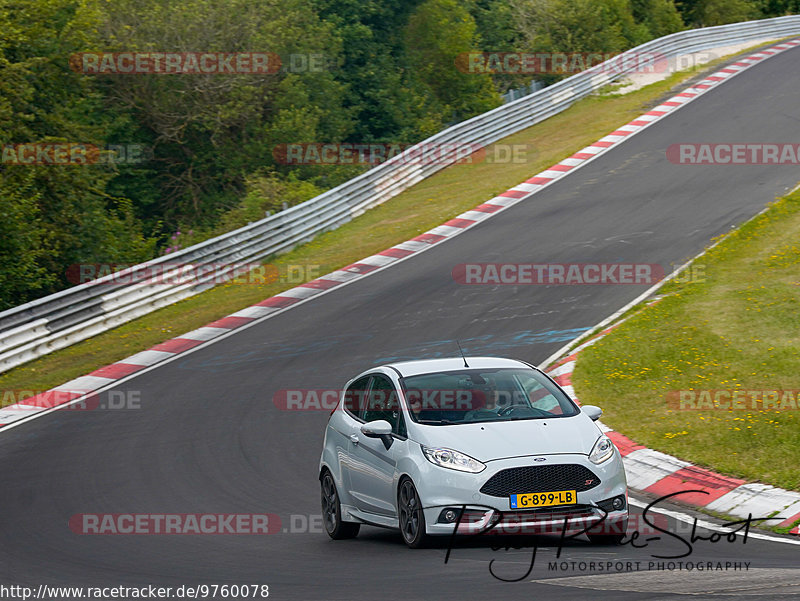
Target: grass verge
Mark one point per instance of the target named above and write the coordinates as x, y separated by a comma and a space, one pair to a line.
426, 205
732, 327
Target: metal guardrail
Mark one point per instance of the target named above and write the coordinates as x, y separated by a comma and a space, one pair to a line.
59, 320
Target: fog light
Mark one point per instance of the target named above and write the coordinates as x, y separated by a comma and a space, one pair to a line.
617, 503
450, 516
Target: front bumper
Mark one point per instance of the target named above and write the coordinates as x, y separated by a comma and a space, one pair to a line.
441, 489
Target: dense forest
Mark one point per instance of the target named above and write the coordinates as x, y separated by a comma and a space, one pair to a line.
179, 158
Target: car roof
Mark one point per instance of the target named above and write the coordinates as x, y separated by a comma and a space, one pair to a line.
426, 366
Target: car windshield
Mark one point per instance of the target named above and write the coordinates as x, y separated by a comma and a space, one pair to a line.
470, 396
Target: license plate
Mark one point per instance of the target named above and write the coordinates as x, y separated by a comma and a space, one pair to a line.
543, 499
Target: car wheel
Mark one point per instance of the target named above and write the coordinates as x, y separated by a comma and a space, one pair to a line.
332, 511
605, 539
412, 519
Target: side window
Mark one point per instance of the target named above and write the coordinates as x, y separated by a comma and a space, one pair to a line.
354, 397
540, 397
382, 403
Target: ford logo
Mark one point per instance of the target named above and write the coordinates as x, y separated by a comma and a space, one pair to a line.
540, 459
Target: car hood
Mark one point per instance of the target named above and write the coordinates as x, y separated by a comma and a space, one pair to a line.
488, 441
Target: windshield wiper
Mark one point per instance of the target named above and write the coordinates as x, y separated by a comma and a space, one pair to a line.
435, 421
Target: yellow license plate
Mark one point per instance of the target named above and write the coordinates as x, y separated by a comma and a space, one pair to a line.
543, 499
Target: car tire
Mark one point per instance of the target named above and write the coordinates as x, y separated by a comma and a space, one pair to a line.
332, 511
411, 517
605, 539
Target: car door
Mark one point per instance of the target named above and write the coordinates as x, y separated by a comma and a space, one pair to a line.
354, 405
373, 466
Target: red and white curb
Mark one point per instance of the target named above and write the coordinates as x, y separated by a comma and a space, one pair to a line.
660, 474
647, 470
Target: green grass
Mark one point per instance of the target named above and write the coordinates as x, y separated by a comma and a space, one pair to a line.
735, 328
426, 205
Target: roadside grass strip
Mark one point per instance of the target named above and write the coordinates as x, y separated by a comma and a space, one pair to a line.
711, 374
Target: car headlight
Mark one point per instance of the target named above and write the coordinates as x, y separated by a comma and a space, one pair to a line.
602, 450
452, 459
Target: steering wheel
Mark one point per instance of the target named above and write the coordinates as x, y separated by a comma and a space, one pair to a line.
511, 408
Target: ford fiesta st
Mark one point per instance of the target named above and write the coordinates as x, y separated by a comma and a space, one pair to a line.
471, 446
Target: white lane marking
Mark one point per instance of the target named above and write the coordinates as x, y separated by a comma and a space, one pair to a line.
252, 312
645, 467
561, 370
755, 498
686, 518
204, 333
84, 384
149, 357
624, 309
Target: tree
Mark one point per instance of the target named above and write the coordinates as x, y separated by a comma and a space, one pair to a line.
21, 272
438, 31
660, 16
210, 130
54, 215
707, 13
577, 25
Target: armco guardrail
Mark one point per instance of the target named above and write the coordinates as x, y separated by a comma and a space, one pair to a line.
47, 324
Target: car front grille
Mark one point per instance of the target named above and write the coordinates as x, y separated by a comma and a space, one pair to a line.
540, 478
551, 513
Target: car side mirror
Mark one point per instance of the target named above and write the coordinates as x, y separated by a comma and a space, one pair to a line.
592, 411
376, 429
379, 428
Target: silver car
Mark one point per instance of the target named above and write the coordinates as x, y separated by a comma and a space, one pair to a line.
474, 445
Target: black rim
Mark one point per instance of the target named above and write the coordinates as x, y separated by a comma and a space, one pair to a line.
410, 511
329, 504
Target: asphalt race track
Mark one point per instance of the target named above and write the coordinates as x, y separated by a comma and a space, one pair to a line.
208, 438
